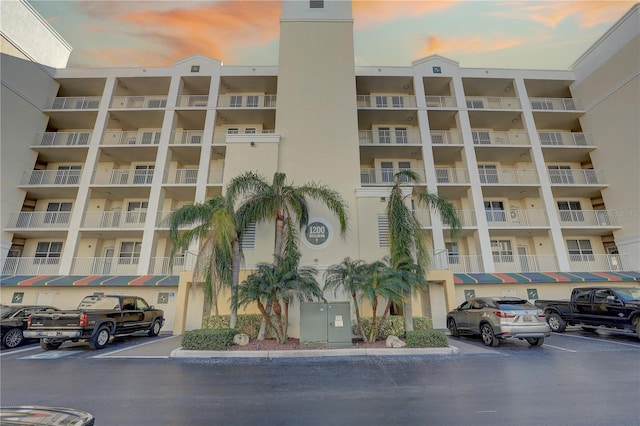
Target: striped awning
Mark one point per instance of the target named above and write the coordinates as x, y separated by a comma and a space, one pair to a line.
89, 280
546, 277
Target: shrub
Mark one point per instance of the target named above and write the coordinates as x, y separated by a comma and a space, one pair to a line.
426, 339
214, 339
247, 323
393, 326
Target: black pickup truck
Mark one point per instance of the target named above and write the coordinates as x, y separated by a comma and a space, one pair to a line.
592, 307
97, 318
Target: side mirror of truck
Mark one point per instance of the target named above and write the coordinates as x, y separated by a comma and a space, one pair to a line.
613, 300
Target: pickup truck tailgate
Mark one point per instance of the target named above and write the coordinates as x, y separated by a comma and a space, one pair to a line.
57, 320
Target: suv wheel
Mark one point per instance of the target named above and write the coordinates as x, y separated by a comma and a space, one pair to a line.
536, 342
556, 323
12, 338
488, 338
453, 327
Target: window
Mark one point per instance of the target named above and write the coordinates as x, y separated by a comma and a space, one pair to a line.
560, 174
404, 165
437, 138
582, 295
129, 253
488, 174
143, 175
475, 104
150, 138
481, 138
570, 211
442, 175
67, 175
397, 101
543, 104
136, 211
600, 295
580, 250
236, 101
316, 4
381, 102
550, 138
454, 253
252, 101
248, 240
495, 211
233, 131
384, 135
383, 230
501, 250
75, 138
48, 253
250, 131
387, 171
57, 213
401, 135
157, 103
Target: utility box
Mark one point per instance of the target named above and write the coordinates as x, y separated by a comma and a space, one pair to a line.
325, 324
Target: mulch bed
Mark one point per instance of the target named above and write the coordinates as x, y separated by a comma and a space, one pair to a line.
294, 344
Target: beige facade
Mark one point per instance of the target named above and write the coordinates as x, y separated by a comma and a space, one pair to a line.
542, 164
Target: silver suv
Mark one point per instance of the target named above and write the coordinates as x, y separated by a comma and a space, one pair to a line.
499, 318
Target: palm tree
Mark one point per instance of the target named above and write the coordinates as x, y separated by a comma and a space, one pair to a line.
276, 284
216, 229
348, 275
408, 246
284, 203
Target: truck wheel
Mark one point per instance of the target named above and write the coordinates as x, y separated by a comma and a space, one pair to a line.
100, 339
536, 342
590, 329
12, 338
556, 322
453, 327
48, 345
154, 330
488, 338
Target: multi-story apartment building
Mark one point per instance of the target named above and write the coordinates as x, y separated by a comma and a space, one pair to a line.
542, 164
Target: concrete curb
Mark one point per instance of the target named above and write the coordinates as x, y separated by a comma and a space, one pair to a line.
315, 353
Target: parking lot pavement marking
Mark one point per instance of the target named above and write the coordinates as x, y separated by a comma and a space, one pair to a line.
110, 354
603, 340
558, 347
50, 355
17, 351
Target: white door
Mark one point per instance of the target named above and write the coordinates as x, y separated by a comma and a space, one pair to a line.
524, 259
45, 298
108, 258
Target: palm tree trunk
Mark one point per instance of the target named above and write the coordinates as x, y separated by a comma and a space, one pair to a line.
285, 316
385, 314
374, 320
279, 237
262, 334
407, 308
235, 279
358, 319
265, 317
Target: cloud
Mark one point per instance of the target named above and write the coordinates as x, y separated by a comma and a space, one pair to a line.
368, 13
446, 46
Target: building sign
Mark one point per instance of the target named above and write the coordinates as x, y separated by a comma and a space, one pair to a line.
317, 233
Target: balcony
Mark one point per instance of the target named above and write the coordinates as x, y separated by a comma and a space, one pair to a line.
65, 139
38, 220
392, 136
487, 137
587, 222
192, 101
446, 137
441, 102
445, 175
148, 137
31, 266
596, 262
186, 137
138, 102
568, 182
371, 176
489, 102
564, 139
555, 104
105, 266
82, 103
494, 176
247, 101
386, 101
114, 219
516, 218
51, 177
215, 176
122, 177
180, 176
467, 218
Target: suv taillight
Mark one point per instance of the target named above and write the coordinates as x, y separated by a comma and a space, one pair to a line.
504, 314
84, 320
29, 320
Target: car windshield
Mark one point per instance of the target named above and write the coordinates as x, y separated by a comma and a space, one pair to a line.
6, 311
514, 305
100, 302
627, 294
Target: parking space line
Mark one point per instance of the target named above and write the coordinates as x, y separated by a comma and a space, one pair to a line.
17, 351
103, 355
603, 340
558, 347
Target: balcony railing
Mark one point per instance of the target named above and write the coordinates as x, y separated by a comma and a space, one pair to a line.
215, 176
386, 101
50, 177
385, 176
486, 137
180, 176
391, 136
63, 138
465, 263
576, 177
105, 266
83, 102
122, 177
516, 218
186, 137
167, 266
596, 262
446, 175
247, 101
553, 138
147, 137
555, 104
446, 137
38, 220
114, 219
441, 102
508, 176
143, 102
31, 266
192, 101
526, 263
489, 102
467, 218
579, 218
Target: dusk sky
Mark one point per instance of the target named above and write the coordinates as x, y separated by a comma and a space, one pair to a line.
498, 34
